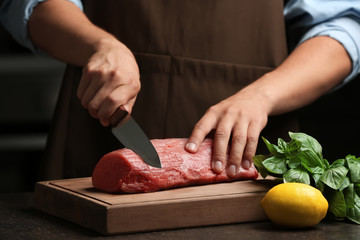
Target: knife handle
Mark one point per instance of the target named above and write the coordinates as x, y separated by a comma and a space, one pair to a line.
117, 116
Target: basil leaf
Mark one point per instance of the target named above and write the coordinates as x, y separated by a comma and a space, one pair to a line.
293, 148
337, 205
326, 164
275, 165
351, 157
273, 149
338, 163
282, 145
346, 183
318, 184
349, 195
294, 162
334, 177
354, 213
354, 168
297, 175
308, 142
258, 159
357, 188
311, 161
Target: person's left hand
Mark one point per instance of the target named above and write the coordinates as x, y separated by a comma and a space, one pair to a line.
299, 80
239, 119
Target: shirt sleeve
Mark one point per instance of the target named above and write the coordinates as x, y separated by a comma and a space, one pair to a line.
338, 19
14, 16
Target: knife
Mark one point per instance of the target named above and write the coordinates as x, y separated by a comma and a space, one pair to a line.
129, 133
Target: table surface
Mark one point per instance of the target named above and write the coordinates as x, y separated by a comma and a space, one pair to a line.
20, 220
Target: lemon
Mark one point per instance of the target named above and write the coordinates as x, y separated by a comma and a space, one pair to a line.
295, 205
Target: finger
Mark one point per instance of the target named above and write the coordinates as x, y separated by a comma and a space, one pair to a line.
221, 143
84, 82
129, 105
238, 143
201, 129
101, 86
251, 144
105, 94
91, 99
118, 97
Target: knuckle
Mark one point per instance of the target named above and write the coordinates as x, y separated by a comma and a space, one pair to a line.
131, 80
115, 73
117, 76
93, 113
93, 107
230, 110
219, 156
84, 103
212, 109
137, 86
238, 139
111, 99
235, 159
252, 138
220, 134
262, 121
114, 76
249, 153
89, 71
250, 149
199, 127
134, 83
103, 116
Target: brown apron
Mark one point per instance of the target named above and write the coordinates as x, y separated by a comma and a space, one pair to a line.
191, 54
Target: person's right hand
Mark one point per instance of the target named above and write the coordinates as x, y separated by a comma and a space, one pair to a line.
110, 76
109, 80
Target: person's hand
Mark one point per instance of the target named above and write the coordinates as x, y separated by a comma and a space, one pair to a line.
238, 121
109, 80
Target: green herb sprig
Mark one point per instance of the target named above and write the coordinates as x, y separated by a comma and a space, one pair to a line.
301, 160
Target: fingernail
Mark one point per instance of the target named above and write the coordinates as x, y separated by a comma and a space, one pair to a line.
218, 166
232, 171
246, 164
191, 147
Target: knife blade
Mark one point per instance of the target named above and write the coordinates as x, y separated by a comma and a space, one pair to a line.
129, 133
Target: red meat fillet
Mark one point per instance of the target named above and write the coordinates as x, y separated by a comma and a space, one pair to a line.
124, 171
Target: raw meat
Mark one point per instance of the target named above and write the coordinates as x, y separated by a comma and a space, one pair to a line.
124, 171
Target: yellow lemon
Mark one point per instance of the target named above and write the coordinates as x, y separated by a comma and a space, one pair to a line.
295, 205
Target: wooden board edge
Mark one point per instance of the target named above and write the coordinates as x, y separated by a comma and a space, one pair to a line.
71, 206
201, 212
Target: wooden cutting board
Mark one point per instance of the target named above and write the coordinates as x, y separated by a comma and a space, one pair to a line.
77, 201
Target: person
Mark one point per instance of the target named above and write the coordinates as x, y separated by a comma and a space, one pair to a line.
218, 67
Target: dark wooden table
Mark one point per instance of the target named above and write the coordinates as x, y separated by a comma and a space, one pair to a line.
20, 220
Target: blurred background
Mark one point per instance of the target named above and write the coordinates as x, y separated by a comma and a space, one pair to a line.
28, 93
